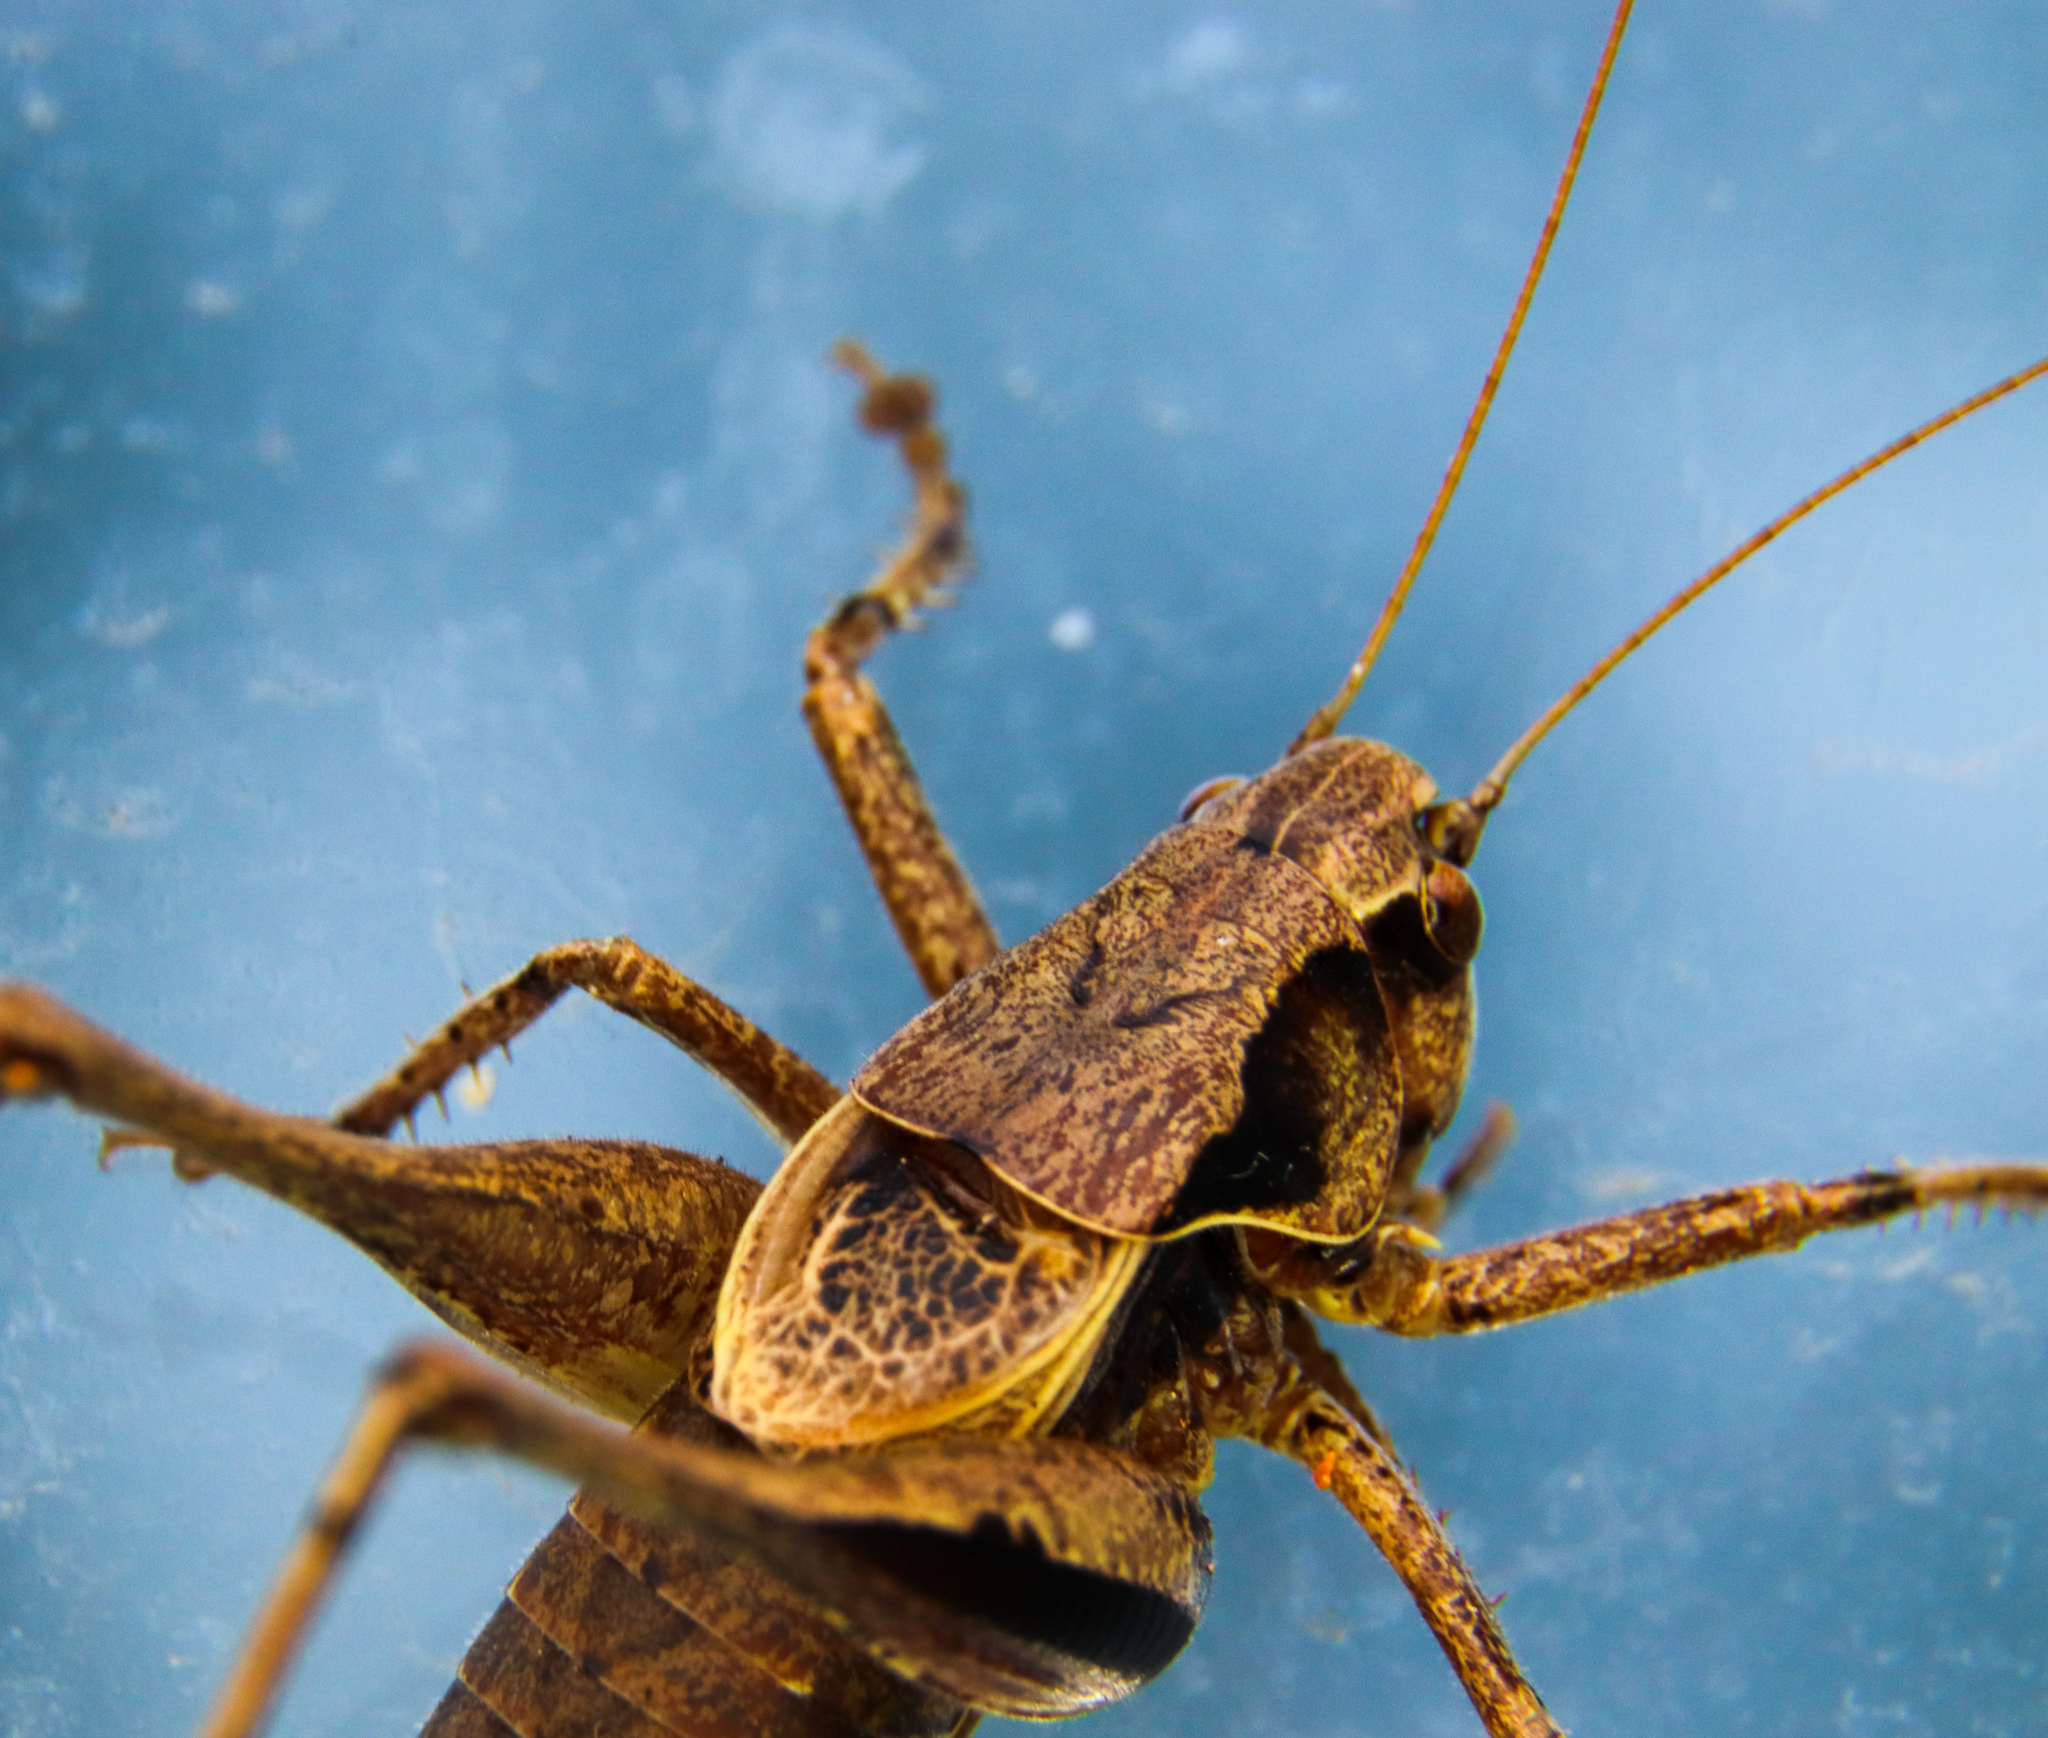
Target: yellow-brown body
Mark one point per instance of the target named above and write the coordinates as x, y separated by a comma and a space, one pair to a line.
1192, 1110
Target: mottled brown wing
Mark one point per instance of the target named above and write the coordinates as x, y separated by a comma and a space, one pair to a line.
1100, 1063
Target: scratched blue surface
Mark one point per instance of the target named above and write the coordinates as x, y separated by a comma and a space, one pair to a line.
417, 473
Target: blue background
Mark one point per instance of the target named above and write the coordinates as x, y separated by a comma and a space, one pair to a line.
417, 473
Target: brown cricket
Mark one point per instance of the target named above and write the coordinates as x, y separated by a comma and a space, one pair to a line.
919, 1428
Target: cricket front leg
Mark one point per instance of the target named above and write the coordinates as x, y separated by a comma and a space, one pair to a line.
929, 898
1391, 1279
592, 1265
784, 1093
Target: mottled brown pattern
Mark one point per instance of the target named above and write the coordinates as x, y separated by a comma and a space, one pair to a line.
593, 1266
919, 1294
1091, 1064
893, 1286
1345, 811
783, 1091
756, 1552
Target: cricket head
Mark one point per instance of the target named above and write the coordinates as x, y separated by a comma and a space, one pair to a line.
1366, 823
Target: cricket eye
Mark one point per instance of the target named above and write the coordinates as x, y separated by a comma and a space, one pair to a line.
1205, 793
1453, 916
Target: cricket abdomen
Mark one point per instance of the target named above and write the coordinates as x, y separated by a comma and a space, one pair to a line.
617, 1627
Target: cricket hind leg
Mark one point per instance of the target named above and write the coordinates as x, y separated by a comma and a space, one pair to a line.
1392, 1281
592, 1265
784, 1092
1090, 1588
930, 899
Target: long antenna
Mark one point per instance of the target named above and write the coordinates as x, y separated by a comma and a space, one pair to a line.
1331, 713
1454, 826
1486, 795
